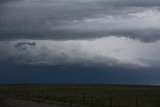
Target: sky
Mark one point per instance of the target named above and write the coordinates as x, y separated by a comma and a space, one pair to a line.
80, 41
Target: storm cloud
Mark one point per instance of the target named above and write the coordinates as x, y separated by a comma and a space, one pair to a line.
126, 53
79, 19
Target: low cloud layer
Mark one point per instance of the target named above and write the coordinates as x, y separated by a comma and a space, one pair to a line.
103, 52
79, 19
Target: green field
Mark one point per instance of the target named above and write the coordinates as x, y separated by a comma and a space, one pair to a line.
87, 95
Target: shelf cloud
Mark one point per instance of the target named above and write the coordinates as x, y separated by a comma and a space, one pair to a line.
79, 19
54, 32
101, 41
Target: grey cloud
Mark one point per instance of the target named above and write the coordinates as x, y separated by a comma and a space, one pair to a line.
6, 1
60, 53
56, 19
24, 45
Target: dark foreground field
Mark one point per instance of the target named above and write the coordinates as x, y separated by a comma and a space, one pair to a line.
9, 102
81, 95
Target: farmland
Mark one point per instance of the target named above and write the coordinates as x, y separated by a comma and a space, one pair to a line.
86, 95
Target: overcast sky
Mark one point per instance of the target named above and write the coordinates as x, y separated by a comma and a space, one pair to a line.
109, 34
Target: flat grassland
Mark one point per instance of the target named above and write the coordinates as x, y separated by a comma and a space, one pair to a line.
86, 95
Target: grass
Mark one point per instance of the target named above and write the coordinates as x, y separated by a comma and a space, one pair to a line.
87, 95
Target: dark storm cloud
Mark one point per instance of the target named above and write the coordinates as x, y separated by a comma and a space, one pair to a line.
58, 19
76, 74
6, 1
25, 43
